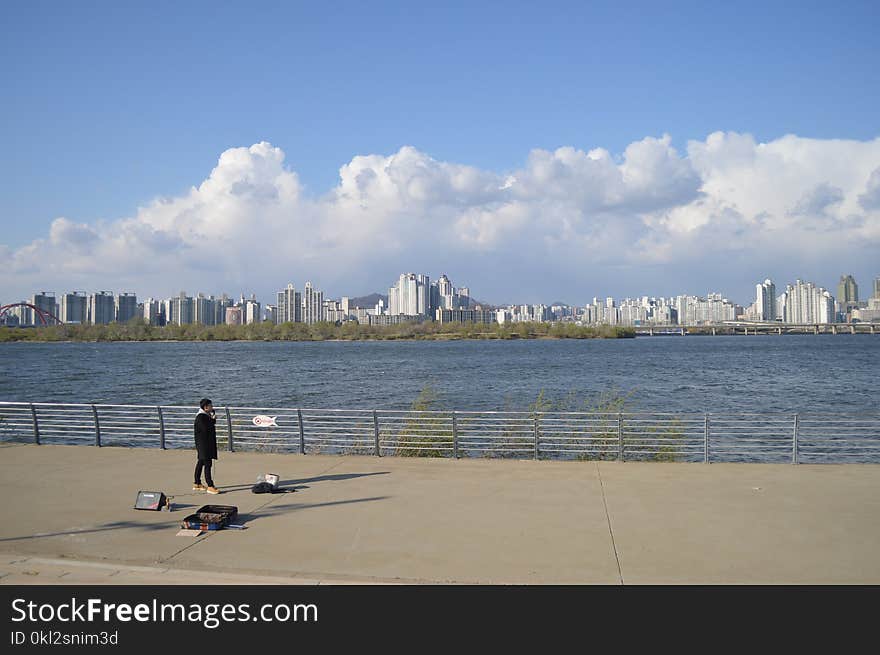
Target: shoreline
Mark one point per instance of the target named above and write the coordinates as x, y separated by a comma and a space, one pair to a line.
445, 338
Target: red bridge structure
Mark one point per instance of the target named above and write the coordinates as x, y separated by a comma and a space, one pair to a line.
44, 316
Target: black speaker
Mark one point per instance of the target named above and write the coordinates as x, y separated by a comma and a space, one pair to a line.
154, 500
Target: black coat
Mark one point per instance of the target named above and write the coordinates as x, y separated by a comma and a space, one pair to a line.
206, 436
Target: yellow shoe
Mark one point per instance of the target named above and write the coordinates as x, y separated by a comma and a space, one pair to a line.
213, 490
199, 487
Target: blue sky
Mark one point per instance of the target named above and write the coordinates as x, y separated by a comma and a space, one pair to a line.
109, 105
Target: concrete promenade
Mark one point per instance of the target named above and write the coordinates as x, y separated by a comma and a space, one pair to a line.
66, 517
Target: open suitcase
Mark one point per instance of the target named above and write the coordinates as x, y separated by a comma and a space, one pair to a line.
211, 517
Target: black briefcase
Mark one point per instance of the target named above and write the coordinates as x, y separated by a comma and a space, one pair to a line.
154, 500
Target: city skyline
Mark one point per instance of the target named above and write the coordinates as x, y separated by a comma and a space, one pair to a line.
416, 296
870, 285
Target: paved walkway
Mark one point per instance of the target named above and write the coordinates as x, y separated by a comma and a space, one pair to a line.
67, 517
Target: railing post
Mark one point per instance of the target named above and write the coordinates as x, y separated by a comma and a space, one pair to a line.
706, 442
537, 422
376, 452
794, 441
36, 425
161, 428
229, 446
97, 427
302, 433
454, 436
619, 437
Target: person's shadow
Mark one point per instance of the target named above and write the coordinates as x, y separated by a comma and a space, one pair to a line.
247, 519
296, 485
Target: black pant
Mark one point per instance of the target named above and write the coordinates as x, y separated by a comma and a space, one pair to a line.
207, 464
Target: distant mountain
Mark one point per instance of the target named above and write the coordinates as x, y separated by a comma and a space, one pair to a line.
368, 301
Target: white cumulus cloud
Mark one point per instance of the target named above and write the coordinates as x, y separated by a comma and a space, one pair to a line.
569, 223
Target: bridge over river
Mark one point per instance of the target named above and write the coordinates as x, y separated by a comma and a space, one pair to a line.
747, 328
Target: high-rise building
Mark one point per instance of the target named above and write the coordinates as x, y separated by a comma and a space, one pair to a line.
394, 298
877, 288
220, 306
442, 291
204, 310
411, 295
250, 310
312, 304
423, 295
44, 301
825, 303
781, 299
74, 307
806, 303
167, 310
289, 305
182, 309
270, 314
765, 302
402, 296
847, 295
152, 309
847, 291
101, 308
125, 307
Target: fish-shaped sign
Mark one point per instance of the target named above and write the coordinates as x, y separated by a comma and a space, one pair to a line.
263, 421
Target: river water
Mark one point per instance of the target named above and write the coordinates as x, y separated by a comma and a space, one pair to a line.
772, 373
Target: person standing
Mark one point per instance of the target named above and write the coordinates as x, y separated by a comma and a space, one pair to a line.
206, 445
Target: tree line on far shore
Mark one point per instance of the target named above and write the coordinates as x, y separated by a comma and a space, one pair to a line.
140, 330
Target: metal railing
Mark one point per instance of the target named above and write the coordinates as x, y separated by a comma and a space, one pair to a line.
622, 436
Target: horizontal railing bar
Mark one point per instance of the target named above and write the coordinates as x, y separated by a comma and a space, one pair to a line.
836, 454
415, 447
321, 424
744, 436
813, 450
753, 451
329, 440
609, 451
309, 434
411, 441
152, 425
683, 423
556, 437
61, 422
324, 417
831, 441
476, 431
857, 435
816, 423
500, 450
8, 403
